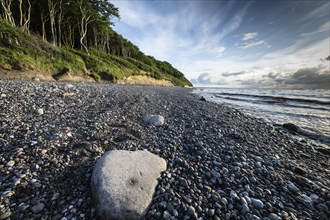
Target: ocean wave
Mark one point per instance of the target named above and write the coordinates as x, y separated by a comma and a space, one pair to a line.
286, 104
276, 99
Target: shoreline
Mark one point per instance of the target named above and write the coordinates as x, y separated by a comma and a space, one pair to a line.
311, 126
217, 157
42, 76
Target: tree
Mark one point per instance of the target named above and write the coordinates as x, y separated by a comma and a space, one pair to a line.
25, 15
97, 11
44, 18
60, 18
86, 17
52, 4
8, 16
107, 11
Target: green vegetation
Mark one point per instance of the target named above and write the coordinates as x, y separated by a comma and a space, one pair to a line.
57, 36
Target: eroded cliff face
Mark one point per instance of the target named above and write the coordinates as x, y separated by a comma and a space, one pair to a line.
144, 80
32, 74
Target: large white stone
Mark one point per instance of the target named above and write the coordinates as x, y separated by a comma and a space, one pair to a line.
154, 119
123, 183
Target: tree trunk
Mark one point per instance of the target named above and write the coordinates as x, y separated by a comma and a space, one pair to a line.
84, 21
21, 13
24, 16
43, 26
68, 36
52, 15
83, 33
27, 18
59, 23
6, 4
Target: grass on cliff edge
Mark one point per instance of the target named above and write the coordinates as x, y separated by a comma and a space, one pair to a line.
22, 51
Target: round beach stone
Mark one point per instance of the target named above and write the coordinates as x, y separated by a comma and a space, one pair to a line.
123, 183
40, 111
10, 163
154, 119
38, 207
191, 210
257, 203
292, 188
306, 201
5, 215
215, 174
245, 208
215, 196
273, 216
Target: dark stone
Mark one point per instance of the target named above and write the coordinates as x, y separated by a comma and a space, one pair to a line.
233, 216
170, 207
183, 182
187, 199
300, 171
322, 208
324, 150
202, 99
60, 74
291, 127
158, 215
307, 203
328, 204
106, 76
303, 181
305, 155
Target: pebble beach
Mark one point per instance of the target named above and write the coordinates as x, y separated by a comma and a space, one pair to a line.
221, 163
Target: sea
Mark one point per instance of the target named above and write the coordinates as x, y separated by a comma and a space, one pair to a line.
307, 108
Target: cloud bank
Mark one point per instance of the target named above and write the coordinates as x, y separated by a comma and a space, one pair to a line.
233, 74
209, 79
314, 78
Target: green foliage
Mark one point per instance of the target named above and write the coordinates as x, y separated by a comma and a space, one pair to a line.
19, 49
96, 76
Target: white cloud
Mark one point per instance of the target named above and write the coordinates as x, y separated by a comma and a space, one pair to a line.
324, 27
184, 35
251, 44
248, 42
220, 51
234, 22
248, 36
321, 11
297, 57
209, 80
136, 15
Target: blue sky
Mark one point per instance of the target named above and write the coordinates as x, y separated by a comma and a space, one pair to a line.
234, 43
